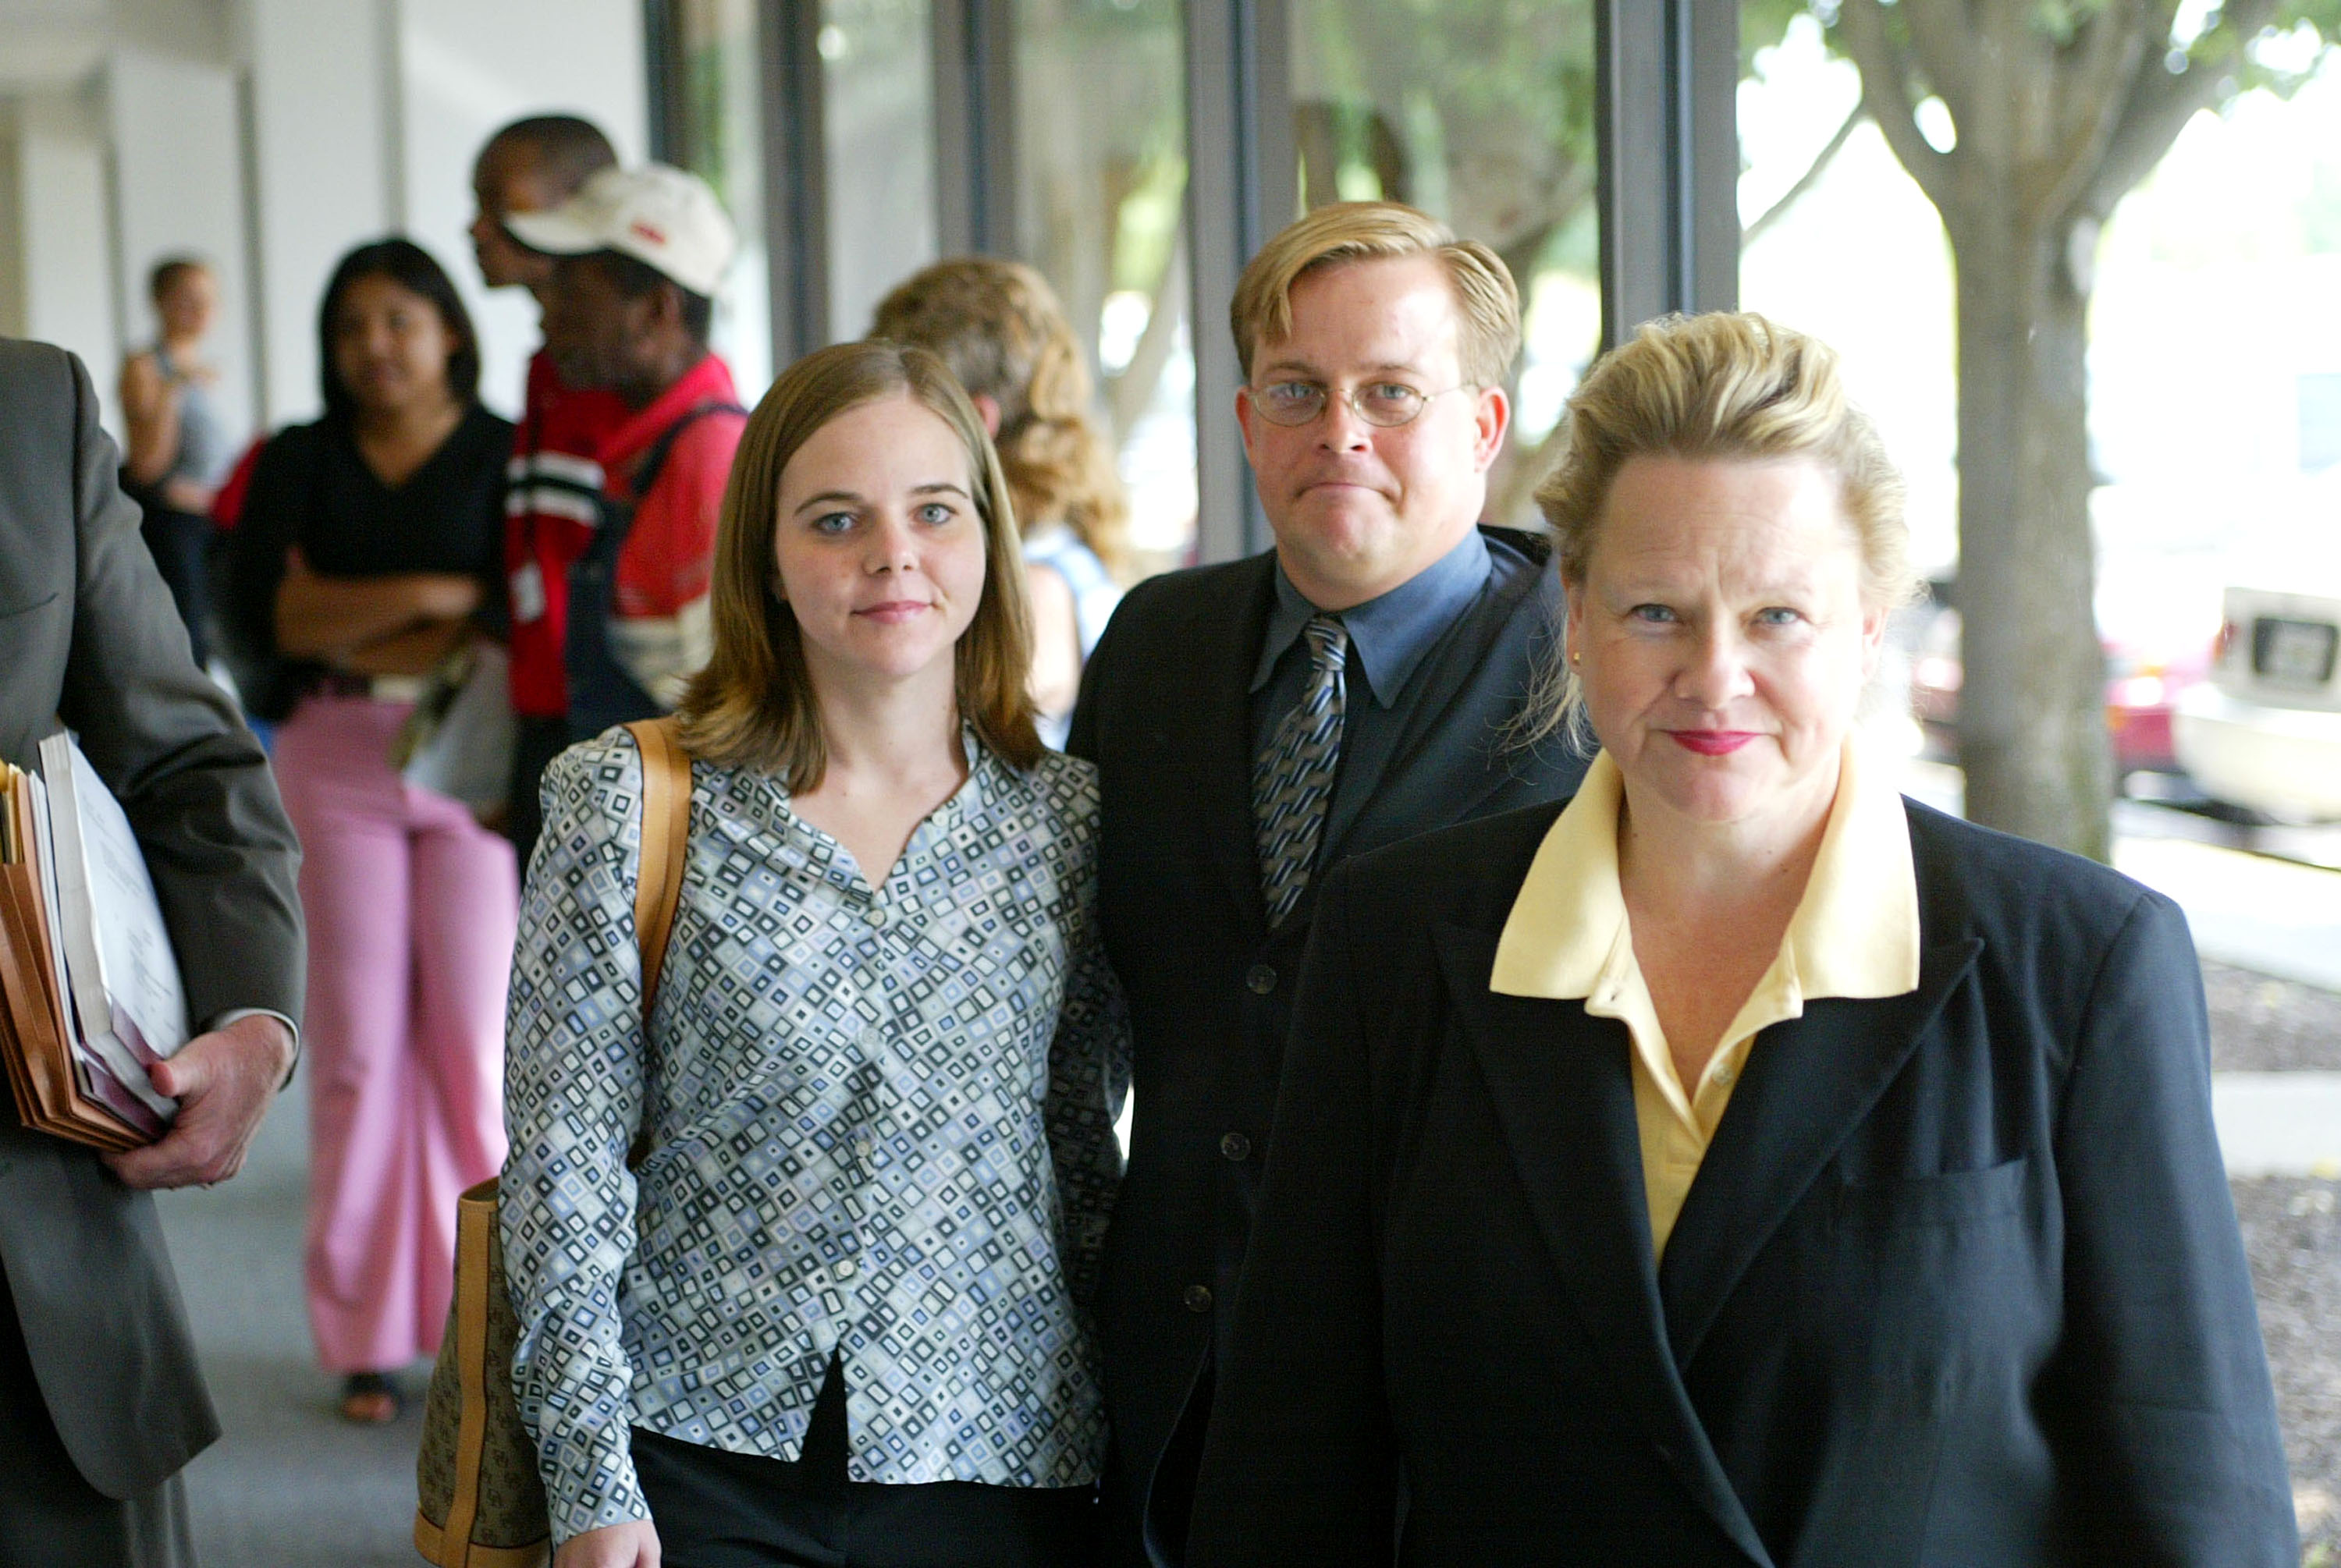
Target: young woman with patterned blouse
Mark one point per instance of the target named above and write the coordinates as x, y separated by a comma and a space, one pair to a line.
842, 1296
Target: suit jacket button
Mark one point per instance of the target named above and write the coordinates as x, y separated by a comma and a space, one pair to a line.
1198, 1298
1262, 979
1235, 1146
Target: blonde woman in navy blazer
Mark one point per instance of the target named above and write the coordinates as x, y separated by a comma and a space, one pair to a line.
1741, 1165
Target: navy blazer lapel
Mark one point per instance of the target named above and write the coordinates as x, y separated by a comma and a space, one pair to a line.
1448, 754
1808, 1084
1221, 640
1563, 1092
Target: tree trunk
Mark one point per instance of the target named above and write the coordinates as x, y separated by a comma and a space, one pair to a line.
2032, 726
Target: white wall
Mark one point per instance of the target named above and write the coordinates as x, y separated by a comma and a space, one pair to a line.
466, 69
368, 114
322, 171
66, 251
178, 185
12, 229
124, 136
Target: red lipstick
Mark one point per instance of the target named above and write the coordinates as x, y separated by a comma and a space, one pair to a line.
1712, 742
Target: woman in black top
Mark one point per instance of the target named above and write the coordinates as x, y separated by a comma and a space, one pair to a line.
367, 556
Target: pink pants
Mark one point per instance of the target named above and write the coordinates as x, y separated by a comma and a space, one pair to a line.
411, 907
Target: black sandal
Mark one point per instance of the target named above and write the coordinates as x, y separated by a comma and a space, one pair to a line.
371, 1399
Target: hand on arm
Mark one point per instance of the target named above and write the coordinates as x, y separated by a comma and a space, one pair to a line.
329, 618
415, 652
224, 1082
186, 495
633, 1544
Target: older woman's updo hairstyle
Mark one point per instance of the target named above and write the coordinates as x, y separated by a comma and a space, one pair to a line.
1729, 384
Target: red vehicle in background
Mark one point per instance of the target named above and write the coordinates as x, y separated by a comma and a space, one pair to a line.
2150, 659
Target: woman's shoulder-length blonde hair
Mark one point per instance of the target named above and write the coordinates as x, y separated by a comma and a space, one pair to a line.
754, 705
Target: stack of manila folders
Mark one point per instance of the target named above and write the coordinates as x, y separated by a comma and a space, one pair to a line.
89, 989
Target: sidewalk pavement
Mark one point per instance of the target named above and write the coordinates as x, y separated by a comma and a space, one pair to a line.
290, 1484
2275, 917
2280, 1123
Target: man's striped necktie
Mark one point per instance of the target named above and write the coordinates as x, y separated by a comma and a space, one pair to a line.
1292, 779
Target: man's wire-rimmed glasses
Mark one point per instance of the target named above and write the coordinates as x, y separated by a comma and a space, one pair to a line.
1386, 403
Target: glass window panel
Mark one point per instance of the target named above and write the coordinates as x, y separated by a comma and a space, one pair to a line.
1480, 112
878, 88
2190, 492
1101, 141
721, 141
1819, 185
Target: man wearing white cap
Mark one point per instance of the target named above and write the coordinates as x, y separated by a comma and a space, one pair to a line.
641, 253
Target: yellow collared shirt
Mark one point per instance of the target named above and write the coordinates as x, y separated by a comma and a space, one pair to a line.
1855, 934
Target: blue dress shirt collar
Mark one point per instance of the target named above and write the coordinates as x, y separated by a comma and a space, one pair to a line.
1390, 634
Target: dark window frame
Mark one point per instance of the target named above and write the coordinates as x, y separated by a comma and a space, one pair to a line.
1666, 83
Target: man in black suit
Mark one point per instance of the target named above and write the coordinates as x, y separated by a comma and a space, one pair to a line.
101, 1402
1256, 723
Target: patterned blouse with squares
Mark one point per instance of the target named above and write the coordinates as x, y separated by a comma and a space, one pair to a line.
880, 1128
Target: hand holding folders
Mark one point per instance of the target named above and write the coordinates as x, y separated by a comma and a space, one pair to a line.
90, 995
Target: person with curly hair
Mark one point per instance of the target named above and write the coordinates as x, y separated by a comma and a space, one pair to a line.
998, 327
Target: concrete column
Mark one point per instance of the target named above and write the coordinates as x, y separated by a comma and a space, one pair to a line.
463, 70
321, 161
66, 278
178, 188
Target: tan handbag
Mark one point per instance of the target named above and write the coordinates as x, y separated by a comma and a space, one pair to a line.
480, 1501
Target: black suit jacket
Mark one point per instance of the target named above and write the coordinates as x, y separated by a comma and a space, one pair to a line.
1165, 713
89, 637
1958, 1282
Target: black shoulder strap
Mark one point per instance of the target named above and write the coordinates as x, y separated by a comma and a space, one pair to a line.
654, 460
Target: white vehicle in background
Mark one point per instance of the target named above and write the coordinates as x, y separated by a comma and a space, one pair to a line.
2263, 732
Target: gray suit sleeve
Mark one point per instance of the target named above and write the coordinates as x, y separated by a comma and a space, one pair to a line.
194, 782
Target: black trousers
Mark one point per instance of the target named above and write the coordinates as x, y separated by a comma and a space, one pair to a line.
537, 742
720, 1509
49, 1515
181, 542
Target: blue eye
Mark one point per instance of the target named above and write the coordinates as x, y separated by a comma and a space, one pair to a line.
1779, 615
833, 523
936, 513
1652, 614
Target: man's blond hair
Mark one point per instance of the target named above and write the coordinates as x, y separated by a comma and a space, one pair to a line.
1487, 302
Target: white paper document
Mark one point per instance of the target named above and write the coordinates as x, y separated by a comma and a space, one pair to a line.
127, 999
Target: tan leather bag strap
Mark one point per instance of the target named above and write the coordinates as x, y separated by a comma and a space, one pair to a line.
475, 1232
666, 825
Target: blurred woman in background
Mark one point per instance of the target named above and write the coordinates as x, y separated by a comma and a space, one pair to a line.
178, 443
367, 553
999, 328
